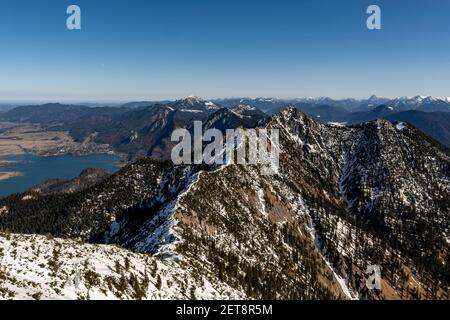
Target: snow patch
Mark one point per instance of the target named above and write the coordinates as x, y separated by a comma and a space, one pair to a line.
400, 126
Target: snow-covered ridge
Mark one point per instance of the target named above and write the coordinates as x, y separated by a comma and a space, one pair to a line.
35, 267
159, 234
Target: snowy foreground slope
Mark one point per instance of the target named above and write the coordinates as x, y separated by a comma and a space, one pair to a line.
34, 267
345, 199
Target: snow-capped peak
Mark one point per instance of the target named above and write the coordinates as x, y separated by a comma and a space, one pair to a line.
422, 98
194, 101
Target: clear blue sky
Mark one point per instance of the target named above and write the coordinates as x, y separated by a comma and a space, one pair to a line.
156, 49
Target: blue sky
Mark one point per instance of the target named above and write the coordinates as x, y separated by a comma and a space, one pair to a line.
157, 49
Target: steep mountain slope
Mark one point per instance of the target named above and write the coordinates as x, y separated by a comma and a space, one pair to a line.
147, 131
248, 111
241, 214
396, 184
85, 214
232, 118
434, 124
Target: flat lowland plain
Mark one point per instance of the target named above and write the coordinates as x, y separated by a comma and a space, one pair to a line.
21, 138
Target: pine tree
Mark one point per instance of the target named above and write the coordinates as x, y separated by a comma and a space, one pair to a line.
153, 269
192, 293
117, 266
123, 284
158, 282
127, 264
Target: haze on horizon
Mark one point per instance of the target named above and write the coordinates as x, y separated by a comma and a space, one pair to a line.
155, 50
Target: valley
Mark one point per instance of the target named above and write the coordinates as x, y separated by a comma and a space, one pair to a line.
22, 138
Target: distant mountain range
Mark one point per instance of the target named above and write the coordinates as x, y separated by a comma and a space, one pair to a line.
429, 114
271, 105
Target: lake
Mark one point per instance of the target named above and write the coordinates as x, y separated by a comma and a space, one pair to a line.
38, 169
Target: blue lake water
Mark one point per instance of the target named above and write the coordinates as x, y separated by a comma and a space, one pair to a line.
38, 169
